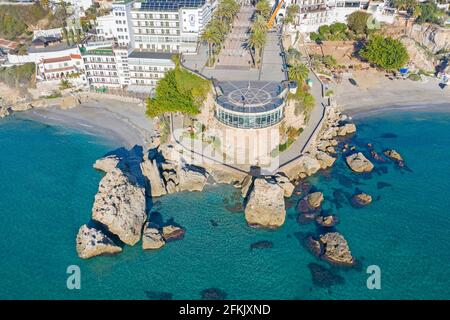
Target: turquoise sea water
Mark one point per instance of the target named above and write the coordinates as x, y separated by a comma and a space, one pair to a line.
47, 188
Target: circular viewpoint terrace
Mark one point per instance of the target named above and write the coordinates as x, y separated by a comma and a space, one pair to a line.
250, 104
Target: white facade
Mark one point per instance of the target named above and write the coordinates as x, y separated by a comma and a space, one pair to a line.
63, 67
146, 68
171, 29
106, 67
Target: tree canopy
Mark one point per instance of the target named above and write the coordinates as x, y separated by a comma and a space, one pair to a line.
357, 22
179, 91
385, 52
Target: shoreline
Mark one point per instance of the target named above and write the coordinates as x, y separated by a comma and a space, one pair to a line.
123, 124
359, 113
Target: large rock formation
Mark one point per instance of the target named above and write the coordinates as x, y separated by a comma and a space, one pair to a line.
120, 205
265, 206
192, 178
92, 242
431, 36
335, 249
151, 171
359, 163
107, 164
152, 238
246, 185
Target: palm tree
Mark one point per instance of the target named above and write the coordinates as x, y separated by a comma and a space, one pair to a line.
259, 24
263, 8
256, 42
298, 72
291, 13
213, 37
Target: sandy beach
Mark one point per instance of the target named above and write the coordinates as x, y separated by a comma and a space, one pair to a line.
122, 123
375, 91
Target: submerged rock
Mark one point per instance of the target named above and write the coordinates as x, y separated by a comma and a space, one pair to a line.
265, 206
359, 163
324, 277
361, 199
151, 171
92, 242
152, 238
335, 249
376, 156
120, 205
106, 164
313, 246
213, 294
157, 295
263, 244
172, 233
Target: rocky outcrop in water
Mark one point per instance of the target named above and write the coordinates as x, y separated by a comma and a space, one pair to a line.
192, 178
315, 199
172, 233
327, 221
156, 184
265, 206
107, 164
92, 242
152, 238
4, 112
325, 159
120, 205
393, 155
335, 249
285, 184
346, 129
359, 163
361, 199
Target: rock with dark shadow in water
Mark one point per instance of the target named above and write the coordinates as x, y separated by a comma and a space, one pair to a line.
213, 294
263, 244
324, 277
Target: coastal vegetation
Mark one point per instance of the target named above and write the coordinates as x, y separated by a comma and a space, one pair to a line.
179, 91
18, 76
357, 22
219, 27
385, 52
422, 12
258, 31
17, 21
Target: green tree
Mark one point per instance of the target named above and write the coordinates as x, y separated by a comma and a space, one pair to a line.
213, 36
72, 36
357, 22
178, 91
385, 52
404, 5
299, 72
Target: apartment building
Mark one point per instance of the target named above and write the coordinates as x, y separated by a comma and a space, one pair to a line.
170, 25
62, 67
117, 24
106, 67
146, 68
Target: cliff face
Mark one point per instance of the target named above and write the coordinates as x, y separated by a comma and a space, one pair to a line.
433, 37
